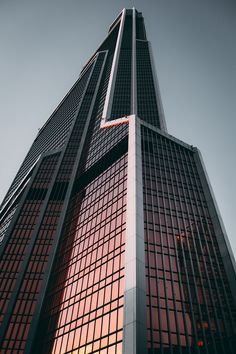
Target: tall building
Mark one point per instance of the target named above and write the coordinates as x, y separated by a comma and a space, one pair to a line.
111, 240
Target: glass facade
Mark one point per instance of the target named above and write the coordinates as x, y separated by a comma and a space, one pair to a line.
146, 95
6, 221
84, 302
97, 197
189, 301
13, 260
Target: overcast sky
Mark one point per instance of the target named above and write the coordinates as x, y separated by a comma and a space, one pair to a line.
44, 44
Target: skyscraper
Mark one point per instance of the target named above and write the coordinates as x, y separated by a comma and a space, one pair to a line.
111, 240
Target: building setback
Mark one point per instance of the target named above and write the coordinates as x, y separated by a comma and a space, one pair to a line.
111, 240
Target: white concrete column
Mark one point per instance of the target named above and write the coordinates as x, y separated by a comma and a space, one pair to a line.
135, 327
112, 80
134, 66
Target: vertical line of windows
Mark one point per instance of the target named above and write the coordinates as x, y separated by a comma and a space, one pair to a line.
146, 95
122, 93
140, 28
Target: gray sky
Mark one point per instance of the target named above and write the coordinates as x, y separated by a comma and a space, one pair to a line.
45, 43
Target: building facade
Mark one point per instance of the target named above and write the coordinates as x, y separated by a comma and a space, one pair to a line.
111, 240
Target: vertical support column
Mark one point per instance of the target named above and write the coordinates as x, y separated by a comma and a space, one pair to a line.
112, 80
134, 70
135, 327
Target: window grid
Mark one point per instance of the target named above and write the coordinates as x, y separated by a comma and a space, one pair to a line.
146, 94
84, 303
24, 226
214, 276
140, 28
189, 304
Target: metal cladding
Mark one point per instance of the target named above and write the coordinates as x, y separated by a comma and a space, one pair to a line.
110, 237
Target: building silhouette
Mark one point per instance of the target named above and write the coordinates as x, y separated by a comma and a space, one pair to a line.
111, 240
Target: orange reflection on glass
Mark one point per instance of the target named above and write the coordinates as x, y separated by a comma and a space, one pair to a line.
70, 343
98, 326
200, 343
105, 325
90, 331
83, 334
120, 318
